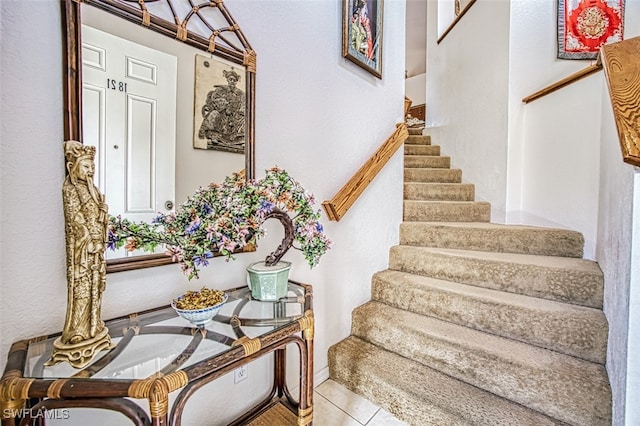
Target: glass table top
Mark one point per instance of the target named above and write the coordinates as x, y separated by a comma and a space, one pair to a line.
159, 341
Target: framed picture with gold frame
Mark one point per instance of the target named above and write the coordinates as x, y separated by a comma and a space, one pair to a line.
362, 34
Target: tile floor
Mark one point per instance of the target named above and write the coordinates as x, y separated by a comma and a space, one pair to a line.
335, 405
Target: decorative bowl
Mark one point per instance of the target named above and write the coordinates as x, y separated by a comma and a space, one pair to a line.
199, 317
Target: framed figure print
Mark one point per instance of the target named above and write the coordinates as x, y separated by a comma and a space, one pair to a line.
220, 105
362, 34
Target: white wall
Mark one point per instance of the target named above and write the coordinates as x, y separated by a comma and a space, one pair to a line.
553, 162
617, 222
415, 89
318, 116
554, 133
467, 84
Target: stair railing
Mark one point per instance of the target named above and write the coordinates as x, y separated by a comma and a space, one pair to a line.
564, 82
337, 207
621, 62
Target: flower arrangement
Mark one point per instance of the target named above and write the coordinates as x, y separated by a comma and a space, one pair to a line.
224, 218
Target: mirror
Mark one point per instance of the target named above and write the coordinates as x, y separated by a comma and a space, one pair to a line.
165, 91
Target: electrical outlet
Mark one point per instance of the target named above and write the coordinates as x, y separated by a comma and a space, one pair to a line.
240, 374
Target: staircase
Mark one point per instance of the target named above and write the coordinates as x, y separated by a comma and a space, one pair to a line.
477, 323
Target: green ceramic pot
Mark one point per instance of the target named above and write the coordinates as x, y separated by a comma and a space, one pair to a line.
269, 283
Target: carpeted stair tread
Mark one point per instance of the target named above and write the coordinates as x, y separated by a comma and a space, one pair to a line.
415, 130
563, 279
432, 175
439, 191
446, 211
422, 150
414, 174
420, 395
427, 161
418, 140
558, 385
566, 328
493, 237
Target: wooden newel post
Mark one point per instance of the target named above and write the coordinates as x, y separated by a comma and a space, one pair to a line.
287, 241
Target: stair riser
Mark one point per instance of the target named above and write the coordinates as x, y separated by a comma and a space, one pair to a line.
571, 330
422, 150
556, 385
427, 161
433, 175
439, 191
565, 285
507, 240
418, 140
419, 395
424, 211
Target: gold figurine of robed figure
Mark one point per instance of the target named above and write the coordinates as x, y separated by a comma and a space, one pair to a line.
86, 227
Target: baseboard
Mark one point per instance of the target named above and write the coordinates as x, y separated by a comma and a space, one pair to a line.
320, 376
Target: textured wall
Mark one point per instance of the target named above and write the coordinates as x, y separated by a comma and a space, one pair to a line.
467, 89
318, 115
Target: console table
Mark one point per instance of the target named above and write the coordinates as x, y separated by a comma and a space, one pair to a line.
155, 352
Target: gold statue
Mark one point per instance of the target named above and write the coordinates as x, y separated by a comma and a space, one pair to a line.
86, 227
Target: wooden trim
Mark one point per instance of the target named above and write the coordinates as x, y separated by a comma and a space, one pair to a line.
564, 82
151, 260
73, 82
455, 21
621, 62
337, 207
407, 105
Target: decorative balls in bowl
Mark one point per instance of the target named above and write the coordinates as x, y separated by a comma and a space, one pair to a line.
199, 307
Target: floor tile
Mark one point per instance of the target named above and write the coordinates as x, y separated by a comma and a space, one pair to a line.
327, 414
384, 418
356, 406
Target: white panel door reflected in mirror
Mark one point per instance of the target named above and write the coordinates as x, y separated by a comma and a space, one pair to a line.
129, 90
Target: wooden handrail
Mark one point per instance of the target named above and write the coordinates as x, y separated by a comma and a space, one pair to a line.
455, 21
349, 193
621, 62
564, 82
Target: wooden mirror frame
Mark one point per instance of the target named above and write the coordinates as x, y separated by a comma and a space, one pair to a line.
72, 45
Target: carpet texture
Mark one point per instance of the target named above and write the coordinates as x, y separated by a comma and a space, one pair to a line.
475, 323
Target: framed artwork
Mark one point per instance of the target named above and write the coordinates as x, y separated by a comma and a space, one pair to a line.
362, 34
219, 105
586, 25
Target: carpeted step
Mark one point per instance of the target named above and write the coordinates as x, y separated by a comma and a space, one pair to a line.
422, 150
490, 236
439, 191
564, 279
566, 328
446, 211
433, 175
427, 161
420, 395
415, 130
418, 140
560, 386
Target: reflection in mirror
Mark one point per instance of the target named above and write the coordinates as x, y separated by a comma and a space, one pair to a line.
167, 115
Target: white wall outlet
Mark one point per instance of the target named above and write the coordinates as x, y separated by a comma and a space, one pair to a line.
240, 373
